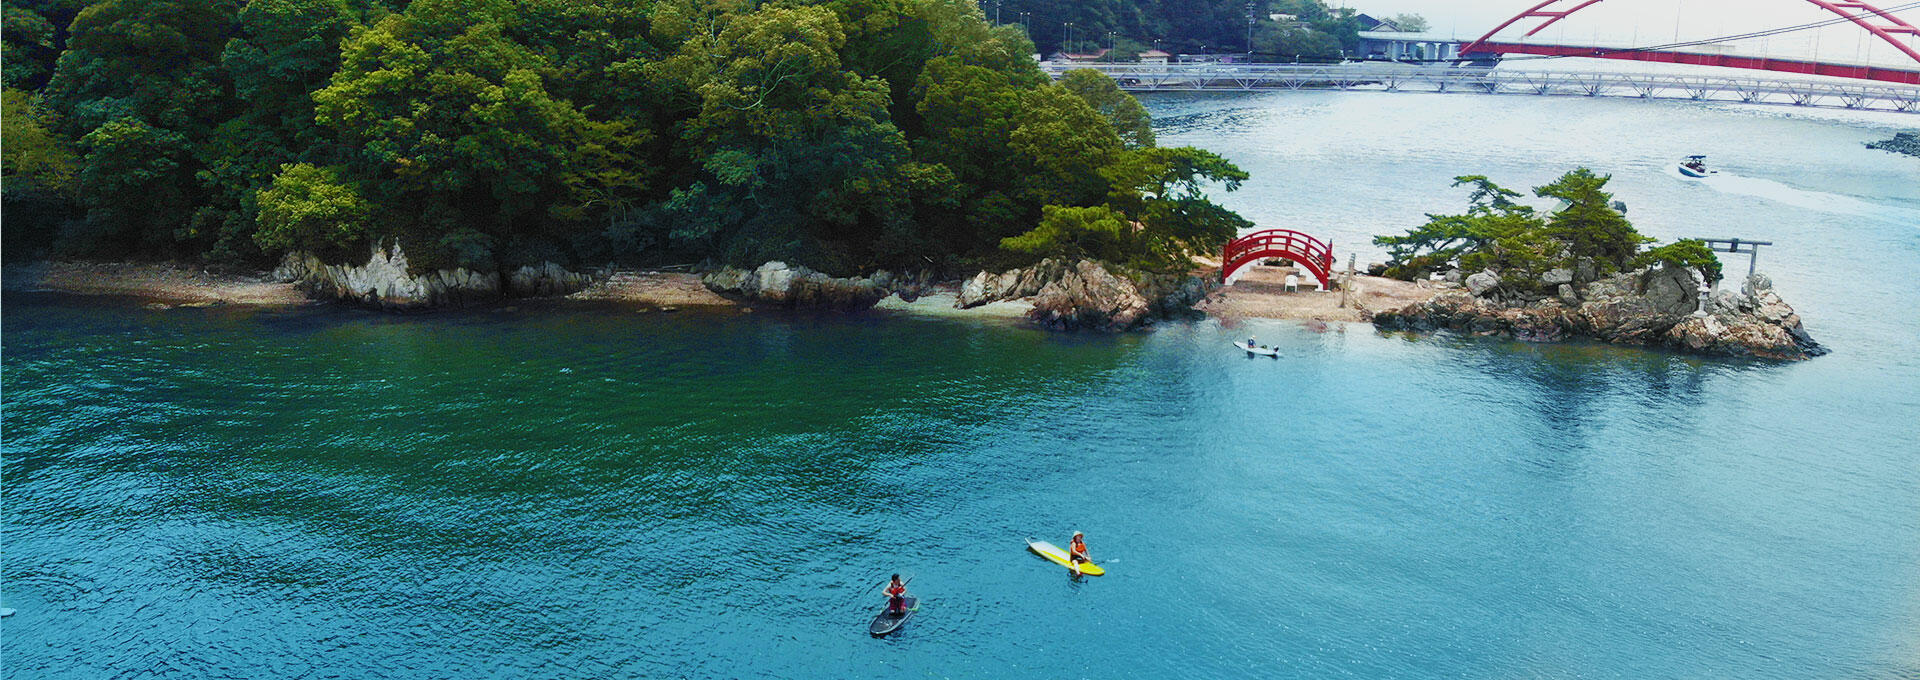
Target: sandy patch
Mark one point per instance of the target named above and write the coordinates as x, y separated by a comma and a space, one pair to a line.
654, 288
161, 283
1260, 293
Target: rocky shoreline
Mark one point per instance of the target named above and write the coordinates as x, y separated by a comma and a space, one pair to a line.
1660, 306
385, 282
1088, 295
157, 284
1061, 295
783, 285
1656, 307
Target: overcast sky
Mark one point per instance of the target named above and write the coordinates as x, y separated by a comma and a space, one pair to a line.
1647, 22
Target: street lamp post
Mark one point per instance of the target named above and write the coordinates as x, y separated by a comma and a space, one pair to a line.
1249, 29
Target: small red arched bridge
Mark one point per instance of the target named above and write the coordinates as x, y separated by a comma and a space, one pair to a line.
1310, 253
1879, 22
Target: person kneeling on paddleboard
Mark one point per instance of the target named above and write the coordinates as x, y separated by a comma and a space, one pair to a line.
897, 596
1077, 549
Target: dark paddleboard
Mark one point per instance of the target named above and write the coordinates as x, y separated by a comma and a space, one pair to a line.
885, 623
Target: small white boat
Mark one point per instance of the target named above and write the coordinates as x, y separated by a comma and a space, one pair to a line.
1695, 166
1261, 350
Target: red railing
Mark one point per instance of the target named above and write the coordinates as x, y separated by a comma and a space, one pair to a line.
1311, 253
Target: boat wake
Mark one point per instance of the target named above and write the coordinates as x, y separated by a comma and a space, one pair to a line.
1819, 201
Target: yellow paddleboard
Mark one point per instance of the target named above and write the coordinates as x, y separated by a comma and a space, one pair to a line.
1054, 554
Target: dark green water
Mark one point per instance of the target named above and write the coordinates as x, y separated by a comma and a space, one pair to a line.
573, 492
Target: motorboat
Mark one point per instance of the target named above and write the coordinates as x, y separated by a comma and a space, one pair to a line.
1695, 166
1259, 350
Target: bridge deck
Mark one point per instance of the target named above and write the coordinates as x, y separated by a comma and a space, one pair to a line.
1440, 78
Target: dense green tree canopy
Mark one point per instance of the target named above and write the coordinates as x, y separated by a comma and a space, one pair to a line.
34, 156
845, 135
1410, 22
1125, 113
1585, 228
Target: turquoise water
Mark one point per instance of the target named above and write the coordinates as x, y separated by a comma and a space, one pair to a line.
584, 492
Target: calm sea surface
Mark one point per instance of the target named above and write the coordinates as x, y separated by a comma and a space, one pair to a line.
573, 492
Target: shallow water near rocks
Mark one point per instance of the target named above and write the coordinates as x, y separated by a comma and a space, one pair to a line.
566, 492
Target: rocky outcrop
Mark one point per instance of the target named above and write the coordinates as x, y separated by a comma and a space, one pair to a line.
1087, 295
546, 280
384, 281
1655, 307
1012, 284
1482, 282
779, 283
1174, 295
1903, 142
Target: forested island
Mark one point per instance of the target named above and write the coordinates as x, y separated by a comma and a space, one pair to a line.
432, 152
1581, 270
488, 135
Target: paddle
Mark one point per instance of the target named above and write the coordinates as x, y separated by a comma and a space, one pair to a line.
903, 592
876, 586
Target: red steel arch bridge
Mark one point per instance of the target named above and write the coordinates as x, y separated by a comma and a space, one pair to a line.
1894, 87
1882, 24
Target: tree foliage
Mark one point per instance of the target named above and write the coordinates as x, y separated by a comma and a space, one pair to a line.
841, 134
1689, 253
1157, 215
1125, 113
313, 209
1097, 232
1491, 215
1187, 26
1410, 22
1295, 44
1588, 223
36, 177
1498, 233
35, 158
